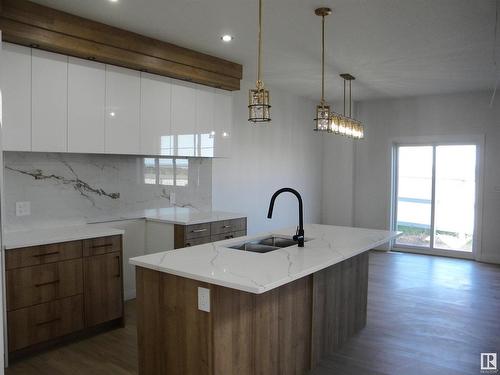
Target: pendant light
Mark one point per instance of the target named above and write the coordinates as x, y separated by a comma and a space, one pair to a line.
346, 124
259, 107
322, 119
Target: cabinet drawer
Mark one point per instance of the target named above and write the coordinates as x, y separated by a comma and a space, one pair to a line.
102, 245
43, 322
35, 255
197, 230
38, 284
226, 226
227, 236
197, 241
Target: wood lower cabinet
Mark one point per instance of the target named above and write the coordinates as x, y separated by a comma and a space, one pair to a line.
198, 234
62, 289
103, 288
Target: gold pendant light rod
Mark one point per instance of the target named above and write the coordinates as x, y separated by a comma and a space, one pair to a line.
259, 107
322, 119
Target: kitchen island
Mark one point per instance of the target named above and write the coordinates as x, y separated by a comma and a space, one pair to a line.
277, 312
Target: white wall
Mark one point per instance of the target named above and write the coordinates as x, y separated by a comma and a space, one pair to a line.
266, 157
458, 114
338, 178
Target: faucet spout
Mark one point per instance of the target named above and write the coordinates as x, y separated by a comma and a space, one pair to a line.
299, 235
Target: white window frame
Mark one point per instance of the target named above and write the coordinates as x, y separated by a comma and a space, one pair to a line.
157, 171
478, 141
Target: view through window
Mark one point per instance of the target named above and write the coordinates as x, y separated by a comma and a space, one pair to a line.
435, 196
166, 171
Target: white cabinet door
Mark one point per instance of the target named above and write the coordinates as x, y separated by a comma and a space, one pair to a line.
49, 98
15, 83
156, 130
122, 130
205, 101
223, 123
184, 118
86, 99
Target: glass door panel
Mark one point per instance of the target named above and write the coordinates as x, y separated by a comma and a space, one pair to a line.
455, 197
414, 195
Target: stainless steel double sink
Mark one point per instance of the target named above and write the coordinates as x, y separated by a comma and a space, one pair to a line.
265, 245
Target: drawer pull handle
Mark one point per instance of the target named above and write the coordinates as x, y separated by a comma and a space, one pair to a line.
48, 321
199, 230
119, 267
226, 226
47, 283
46, 254
104, 245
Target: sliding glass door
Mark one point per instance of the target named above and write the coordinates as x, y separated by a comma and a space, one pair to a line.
435, 197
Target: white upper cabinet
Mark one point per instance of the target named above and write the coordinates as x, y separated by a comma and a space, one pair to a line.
15, 83
156, 129
184, 118
223, 123
86, 99
122, 117
205, 101
49, 101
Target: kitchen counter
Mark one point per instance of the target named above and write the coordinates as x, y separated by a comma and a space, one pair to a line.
35, 237
173, 215
241, 312
217, 264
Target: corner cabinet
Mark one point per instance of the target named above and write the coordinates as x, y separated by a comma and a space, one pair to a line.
60, 291
56, 103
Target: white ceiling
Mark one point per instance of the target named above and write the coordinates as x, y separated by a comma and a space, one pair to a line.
393, 47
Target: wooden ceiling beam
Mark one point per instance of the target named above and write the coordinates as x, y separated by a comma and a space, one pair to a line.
27, 23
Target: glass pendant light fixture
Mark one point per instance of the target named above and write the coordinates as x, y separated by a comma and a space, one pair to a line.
259, 107
323, 114
346, 125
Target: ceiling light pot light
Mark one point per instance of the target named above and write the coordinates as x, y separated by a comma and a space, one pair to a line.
227, 38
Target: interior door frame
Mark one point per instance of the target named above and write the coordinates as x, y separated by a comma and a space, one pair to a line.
478, 141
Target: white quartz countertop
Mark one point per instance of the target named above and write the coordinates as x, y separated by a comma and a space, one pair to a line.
217, 264
35, 237
174, 215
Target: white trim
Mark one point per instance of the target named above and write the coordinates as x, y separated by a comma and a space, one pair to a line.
437, 252
476, 139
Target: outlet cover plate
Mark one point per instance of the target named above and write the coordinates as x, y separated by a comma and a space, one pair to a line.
204, 299
23, 208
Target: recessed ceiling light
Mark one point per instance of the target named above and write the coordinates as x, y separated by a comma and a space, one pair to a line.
113, 1
227, 38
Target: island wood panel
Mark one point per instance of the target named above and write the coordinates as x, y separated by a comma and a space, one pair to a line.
339, 305
174, 336
284, 331
30, 24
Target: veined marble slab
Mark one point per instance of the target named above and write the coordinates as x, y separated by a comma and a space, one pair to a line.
36, 237
217, 264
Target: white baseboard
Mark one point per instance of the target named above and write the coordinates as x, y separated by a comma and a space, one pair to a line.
129, 294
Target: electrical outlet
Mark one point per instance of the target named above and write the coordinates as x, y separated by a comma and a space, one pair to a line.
204, 299
23, 208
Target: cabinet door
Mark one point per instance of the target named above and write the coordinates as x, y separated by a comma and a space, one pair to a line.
86, 98
184, 118
156, 130
103, 288
15, 83
122, 111
223, 123
49, 99
205, 101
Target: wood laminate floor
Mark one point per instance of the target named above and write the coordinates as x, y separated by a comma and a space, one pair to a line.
426, 316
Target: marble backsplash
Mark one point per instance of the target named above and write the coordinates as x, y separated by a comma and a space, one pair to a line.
66, 189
